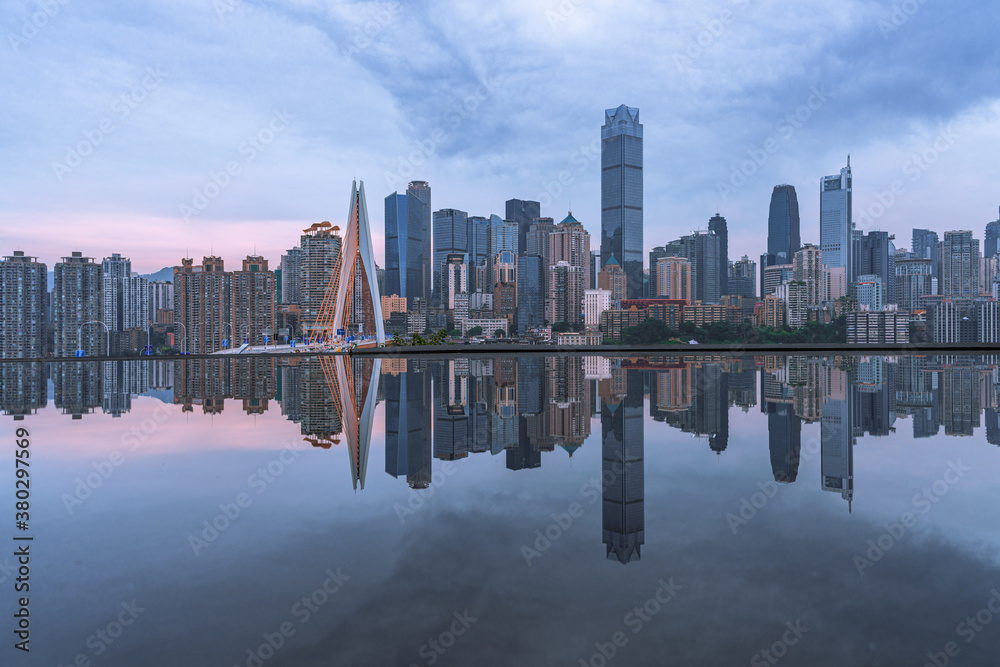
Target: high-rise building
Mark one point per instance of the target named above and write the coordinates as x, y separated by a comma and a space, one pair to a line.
743, 278
23, 287
203, 305
422, 191
612, 279
160, 297
595, 302
959, 265
451, 236
913, 281
479, 248
991, 240
77, 307
875, 254
702, 250
622, 196
569, 245
321, 245
674, 276
253, 300
522, 212
808, 268
837, 438
871, 292
717, 225
672, 249
927, 245
291, 275
500, 235
530, 303
456, 279
126, 298
836, 224
775, 275
783, 238
404, 245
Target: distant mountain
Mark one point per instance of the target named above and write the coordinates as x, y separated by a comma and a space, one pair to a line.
166, 273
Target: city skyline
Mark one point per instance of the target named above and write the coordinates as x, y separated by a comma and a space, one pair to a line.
458, 120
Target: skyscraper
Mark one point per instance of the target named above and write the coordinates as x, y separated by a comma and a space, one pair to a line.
621, 195
927, 245
321, 245
530, 302
959, 265
808, 268
479, 248
702, 250
408, 411
569, 243
522, 213
717, 225
23, 286
126, 297
451, 236
674, 279
253, 300
875, 254
422, 191
405, 246
783, 238
291, 275
836, 226
991, 241
203, 305
77, 299
743, 278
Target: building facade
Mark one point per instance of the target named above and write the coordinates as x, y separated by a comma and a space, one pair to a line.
23, 311
836, 223
622, 195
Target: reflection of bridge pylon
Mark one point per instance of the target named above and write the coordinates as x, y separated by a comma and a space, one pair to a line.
348, 389
336, 311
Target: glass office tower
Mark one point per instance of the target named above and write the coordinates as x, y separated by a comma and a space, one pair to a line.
621, 195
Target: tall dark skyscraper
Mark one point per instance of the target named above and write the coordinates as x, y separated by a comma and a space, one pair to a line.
623, 463
875, 254
422, 191
784, 432
621, 195
404, 246
783, 237
522, 212
717, 224
991, 240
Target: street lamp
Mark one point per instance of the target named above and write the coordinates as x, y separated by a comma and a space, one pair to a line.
184, 338
79, 335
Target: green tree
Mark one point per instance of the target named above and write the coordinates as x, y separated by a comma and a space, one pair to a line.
498, 333
475, 331
649, 332
417, 339
398, 340
560, 327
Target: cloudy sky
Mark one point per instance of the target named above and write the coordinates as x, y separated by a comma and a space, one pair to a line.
161, 129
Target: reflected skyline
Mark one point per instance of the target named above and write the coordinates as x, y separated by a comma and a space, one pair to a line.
534, 405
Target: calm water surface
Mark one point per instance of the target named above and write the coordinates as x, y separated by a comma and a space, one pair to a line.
507, 511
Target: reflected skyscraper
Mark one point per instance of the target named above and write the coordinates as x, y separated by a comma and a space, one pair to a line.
408, 423
837, 437
784, 437
622, 467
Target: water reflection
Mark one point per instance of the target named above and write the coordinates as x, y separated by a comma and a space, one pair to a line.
524, 407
